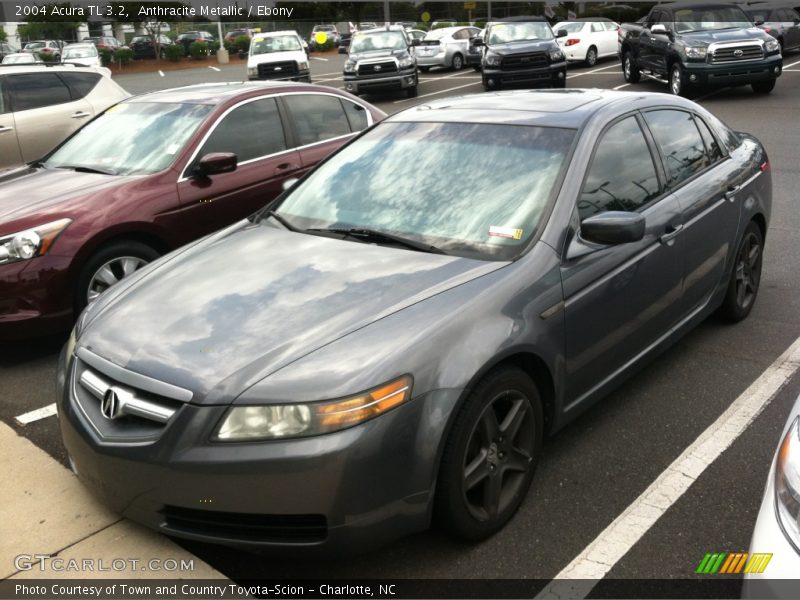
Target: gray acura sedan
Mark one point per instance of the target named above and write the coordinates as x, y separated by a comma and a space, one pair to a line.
387, 344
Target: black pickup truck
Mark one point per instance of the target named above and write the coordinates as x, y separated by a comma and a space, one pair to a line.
690, 44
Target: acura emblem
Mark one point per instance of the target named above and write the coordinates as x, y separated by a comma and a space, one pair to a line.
738, 52
109, 406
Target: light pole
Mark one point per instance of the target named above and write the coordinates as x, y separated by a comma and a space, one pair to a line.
222, 52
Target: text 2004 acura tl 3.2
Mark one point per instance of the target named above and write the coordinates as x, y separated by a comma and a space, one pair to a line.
388, 343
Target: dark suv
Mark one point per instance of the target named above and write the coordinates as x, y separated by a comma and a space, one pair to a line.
381, 60
522, 51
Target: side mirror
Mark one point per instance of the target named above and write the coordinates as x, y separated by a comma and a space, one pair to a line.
757, 23
415, 42
613, 227
659, 28
215, 163
476, 41
562, 33
289, 183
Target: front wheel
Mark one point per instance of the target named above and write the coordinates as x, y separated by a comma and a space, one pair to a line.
411, 92
630, 70
763, 87
746, 276
490, 455
677, 85
458, 62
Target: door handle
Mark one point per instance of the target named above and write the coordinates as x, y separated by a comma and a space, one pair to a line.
670, 232
81, 115
732, 191
4, 129
286, 167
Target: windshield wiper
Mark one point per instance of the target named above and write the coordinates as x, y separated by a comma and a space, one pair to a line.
85, 169
279, 218
374, 235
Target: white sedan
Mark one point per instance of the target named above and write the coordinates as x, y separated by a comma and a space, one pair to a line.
587, 40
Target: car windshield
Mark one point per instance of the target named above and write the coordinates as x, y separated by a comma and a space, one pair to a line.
379, 40
710, 19
410, 180
758, 15
17, 59
140, 39
503, 33
436, 34
34, 45
278, 43
132, 138
570, 27
85, 52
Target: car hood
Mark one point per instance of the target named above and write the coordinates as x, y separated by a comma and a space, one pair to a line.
729, 35
272, 57
522, 47
377, 54
240, 305
28, 192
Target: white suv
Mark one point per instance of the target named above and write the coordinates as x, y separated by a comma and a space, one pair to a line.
278, 55
41, 105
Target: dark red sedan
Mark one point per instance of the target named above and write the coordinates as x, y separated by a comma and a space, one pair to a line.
151, 174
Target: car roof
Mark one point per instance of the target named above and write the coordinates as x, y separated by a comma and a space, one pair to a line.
79, 45
699, 6
38, 67
219, 93
569, 108
267, 34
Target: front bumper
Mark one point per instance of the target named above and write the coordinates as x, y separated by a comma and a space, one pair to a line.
702, 73
346, 491
35, 297
360, 84
548, 75
302, 75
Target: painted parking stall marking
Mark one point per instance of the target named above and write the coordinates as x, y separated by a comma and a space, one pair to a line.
458, 87
36, 415
579, 577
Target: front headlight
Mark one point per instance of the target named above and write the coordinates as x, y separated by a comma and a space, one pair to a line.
302, 65
279, 421
252, 70
493, 60
696, 51
30, 243
772, 45
350, 66
406, 62
556, 54
787, 484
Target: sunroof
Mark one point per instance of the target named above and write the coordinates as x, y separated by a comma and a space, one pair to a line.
552, 101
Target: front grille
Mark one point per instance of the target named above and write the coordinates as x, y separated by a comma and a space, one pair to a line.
122, 406
247, 526
388, 66
729, 54
277, 70
524, 61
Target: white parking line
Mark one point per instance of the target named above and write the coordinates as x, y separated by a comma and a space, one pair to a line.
458, 87
578, 578
792, 70
214, 68
614, 66
35, 415
791, 65
315, 80
318, 58
161, 73
619, 87
465, 76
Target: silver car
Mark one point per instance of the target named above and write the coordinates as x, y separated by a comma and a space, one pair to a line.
41, 105
777, 531
84, 55
445, 47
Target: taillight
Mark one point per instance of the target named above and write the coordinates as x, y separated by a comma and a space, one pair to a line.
764, 167
572, 42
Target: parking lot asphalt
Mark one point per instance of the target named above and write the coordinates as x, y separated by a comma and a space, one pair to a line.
601, 463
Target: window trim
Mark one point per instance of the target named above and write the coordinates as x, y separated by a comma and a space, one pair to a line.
651, 147
288, 129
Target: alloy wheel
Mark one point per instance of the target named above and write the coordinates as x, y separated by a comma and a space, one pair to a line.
112, 273
675, 81
748, 270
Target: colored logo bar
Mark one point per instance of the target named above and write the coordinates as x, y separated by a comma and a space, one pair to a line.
733, 562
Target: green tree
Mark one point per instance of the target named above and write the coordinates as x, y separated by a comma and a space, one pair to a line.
49, 26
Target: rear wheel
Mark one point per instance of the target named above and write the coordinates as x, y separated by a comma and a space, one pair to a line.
490, 455
109, 266
746, 276
763, 87
630, 69
457, 63
591, 57
424, 69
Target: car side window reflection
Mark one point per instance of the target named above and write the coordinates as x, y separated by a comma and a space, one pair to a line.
712, 147
317, 117
2, 98
250, 131
680, 143
356, 115
622, 175
35, 90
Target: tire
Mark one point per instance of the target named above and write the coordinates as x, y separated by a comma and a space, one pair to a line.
424, 69
559, 83
677, 83
120, 258
411, 92
458, 62
591, 56
763, 87
630, 69
476, 67
745, 276
490, 455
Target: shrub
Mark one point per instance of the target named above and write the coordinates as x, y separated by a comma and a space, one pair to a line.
107, 55
123, 55
173, 52
213, 47
327, 45
242, 43
198, 50
46, 57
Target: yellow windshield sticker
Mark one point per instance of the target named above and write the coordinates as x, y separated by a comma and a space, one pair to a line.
511, 233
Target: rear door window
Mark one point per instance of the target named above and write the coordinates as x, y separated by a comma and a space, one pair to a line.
317, 117
35, 90
80, 84
356, 115
681, 145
